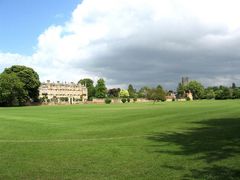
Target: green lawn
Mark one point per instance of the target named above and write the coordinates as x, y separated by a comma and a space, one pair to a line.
179, 140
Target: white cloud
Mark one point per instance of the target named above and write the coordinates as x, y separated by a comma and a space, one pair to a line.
158, 40
8, 59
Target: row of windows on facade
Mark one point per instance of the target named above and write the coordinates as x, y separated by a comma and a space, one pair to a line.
61, 94
64, 86
62, 89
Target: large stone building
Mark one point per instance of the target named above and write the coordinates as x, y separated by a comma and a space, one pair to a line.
63, 92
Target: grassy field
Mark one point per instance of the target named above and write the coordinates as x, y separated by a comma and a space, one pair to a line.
179, 140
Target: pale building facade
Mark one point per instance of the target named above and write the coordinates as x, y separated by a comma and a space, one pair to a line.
63, 92
189, 95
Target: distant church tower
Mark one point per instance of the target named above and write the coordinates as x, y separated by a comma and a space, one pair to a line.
185, 80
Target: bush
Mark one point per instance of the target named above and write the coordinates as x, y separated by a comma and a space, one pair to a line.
128, 100
42, 100
108, 101
135, 99
188, 99
64, 99
124, 100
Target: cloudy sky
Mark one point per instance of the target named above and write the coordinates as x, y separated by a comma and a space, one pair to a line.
143, 42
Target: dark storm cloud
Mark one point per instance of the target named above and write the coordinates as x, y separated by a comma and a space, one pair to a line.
162, 53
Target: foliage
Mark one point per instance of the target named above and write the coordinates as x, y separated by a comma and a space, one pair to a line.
135, 99
142, 93
64, 99
90, 99
128, 99
159, 87
209, 93
196, 89
12, 92
223, 93
124, 93
90, 87
124, 100
100, 89
156, 94
131, 91
181, 90
236, 93
54, 99
108, 101
29, 78
114, 93
44, 98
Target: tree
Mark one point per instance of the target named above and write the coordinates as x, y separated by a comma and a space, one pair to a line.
142, 93
113, 93
227, 93
132, 91
100, 89
236, 93
12, 92
156, 94
159, 87
90, 87
181, 90
196, 89
219, 94
29, 78
223, 93
209, 93
124, 93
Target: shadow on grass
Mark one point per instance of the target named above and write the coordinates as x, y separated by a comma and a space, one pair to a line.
215, 140
215, 173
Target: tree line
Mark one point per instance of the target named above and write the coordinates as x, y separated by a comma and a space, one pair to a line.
215, 92
159, 94
19, 85
101, 91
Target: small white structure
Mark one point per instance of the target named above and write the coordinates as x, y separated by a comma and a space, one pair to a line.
189, 95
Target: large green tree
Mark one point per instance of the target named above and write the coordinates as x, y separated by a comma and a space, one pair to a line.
29, 78
114, 93
196, 89
101, 89
156, 94
89, 84
12, 92
132, 91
